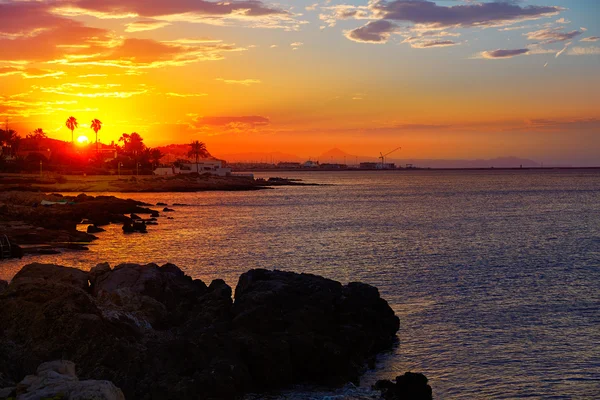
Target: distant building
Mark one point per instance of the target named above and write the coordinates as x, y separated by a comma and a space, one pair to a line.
334, 166
311, 164
369, 165
213, 167
289, 165
386, 166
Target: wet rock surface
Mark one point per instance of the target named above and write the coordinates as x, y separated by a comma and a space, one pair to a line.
157, 333
410, 386
27, 222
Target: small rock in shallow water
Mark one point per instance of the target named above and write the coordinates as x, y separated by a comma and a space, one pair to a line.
410, 386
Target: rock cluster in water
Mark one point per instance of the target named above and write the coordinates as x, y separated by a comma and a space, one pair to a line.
157, 333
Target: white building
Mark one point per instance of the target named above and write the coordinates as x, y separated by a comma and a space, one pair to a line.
213, 167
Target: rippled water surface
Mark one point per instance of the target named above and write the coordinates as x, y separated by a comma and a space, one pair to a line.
494, 274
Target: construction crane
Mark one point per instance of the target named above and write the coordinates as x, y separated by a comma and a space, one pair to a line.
383, 156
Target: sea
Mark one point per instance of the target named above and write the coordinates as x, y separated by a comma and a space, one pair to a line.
495, 274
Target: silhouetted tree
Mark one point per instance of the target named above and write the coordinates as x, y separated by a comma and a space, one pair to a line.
155, 156
197, 149
72, 124
36, 137
10, 142
96, 125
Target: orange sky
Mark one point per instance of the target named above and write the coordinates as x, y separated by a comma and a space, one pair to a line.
302, 77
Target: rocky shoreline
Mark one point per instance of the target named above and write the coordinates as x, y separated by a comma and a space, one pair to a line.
35, 228
139, 184
157, 333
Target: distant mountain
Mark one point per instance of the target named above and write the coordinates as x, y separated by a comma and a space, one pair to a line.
257, 157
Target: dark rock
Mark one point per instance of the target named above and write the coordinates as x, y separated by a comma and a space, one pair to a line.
43, 273
3, 285
321, 331
135, 216
134, 227
158, 333
94, 229
57, 379
166, 209
161, 204
155, 214
410, 386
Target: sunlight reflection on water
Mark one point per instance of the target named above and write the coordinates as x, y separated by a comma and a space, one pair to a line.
495, 275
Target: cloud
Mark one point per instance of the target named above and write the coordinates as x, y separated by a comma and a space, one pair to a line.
148, 25
433, 43
373, 32
591, 39
252, 13
424, 12
296, 45
504, 53
89, 90
30, 73
563, 50
427, 15
251, 120
584, 51
185, 95
552, 35
244, 82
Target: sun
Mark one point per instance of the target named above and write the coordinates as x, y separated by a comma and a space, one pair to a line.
83, 140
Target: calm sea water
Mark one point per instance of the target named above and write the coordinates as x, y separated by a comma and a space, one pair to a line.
494, 274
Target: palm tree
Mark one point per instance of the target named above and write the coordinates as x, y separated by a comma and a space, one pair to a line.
36, 137
72, 124
96, 126
155, 156
196, 149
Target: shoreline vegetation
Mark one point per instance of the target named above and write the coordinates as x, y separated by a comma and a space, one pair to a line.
156, 333
137, 184
38, 221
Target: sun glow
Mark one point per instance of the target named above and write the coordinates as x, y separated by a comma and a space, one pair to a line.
82, 140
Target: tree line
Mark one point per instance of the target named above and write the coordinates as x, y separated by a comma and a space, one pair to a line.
131, 152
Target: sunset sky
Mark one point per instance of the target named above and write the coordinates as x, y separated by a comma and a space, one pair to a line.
442, 79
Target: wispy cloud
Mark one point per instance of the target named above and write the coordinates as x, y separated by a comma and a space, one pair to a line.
502, 53
584, 51
552, 35
373, 32
185, 95
243, 82
591, 39
148, 25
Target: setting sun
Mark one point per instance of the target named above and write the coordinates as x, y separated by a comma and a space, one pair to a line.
83, 140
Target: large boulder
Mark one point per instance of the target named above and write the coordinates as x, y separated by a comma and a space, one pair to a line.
41, 273
312, 328
3, 285
158, 333
57, 379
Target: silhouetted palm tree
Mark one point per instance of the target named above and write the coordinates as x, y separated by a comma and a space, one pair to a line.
155, 156
197, 148
96, 126
72, 124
